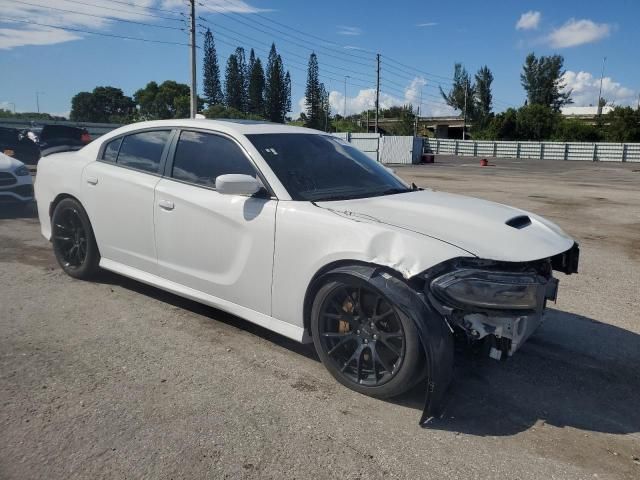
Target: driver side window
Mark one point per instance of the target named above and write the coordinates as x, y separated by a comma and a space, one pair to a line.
201, 157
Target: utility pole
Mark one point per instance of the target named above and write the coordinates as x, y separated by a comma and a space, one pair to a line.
604, 59
38, 100
377, 90
344, 111
194, 91
464, 121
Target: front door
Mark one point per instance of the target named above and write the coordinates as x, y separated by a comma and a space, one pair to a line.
218, 244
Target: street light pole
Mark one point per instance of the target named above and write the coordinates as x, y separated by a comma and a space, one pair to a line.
38, 100
344, 112
599, 110
193, 93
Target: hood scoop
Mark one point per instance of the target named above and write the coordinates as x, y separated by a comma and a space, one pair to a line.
519, 222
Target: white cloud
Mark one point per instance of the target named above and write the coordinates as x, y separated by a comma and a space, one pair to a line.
426, 24
585, 87
218, 6
351, 31
32, 35
529, 20
366, 99
578, 32
90, 17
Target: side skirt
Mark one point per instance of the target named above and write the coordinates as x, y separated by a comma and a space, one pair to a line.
283, 328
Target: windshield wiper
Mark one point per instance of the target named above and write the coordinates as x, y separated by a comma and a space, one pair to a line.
392, 191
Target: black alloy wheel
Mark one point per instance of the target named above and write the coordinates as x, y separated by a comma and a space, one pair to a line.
70, 238
364, 340
73, 241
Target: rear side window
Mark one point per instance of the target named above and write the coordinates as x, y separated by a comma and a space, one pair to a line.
111, 150
143, 150
201, 157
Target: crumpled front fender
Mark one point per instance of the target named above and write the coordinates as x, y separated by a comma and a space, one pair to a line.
435, 334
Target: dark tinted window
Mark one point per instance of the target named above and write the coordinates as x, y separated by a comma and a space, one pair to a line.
60, 131
201, 157
143, 151
111, 150
321, 167
8, 135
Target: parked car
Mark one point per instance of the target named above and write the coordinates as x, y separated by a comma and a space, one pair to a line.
15, 143
16, 186
61, 138
305, 235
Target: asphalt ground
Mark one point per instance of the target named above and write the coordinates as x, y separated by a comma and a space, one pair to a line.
115, 379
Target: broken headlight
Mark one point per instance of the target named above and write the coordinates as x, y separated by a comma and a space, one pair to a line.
489, 290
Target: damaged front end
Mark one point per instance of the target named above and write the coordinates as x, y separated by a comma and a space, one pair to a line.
497, 305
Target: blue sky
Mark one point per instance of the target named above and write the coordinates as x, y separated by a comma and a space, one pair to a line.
419, 42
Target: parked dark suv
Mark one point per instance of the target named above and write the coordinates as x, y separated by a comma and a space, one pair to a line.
62, 138
15, 143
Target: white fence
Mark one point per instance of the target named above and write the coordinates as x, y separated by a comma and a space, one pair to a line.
594, 152
388, 149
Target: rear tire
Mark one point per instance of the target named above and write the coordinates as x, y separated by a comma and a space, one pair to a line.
74, 244
364, 340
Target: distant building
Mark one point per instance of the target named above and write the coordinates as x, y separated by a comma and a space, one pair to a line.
591, 111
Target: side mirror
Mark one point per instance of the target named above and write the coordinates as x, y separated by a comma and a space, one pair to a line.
237, 184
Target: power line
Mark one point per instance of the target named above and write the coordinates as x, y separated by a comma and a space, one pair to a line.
124, 37
112, 19
339, 73
307, 34
120, 10
134, 5
306, 47
295, 66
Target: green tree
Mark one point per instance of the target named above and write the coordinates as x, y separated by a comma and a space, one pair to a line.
461, 89
314, 96
622, 125
571, 130
211, 84
542, 81
104, 105
536, 122
277, 96
503, 126
256, 86
234, 84
483, 97
243, 72
170, 99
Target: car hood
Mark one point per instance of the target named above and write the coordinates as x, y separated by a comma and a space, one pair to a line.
478, 226
9, 164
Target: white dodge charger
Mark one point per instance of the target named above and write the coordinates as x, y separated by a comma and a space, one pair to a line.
300, 232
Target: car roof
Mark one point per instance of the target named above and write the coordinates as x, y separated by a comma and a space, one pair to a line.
231, 126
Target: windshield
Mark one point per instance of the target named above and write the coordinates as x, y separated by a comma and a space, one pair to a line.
320, 167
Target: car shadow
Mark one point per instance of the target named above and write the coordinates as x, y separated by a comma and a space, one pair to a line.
212, 313
574, 371
18, 210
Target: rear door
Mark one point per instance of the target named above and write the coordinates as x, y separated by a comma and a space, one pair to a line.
119, 196
218, 244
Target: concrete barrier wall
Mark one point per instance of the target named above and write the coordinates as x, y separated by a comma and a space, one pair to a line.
593, 152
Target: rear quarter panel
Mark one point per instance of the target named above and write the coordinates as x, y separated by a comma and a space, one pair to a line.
58, 174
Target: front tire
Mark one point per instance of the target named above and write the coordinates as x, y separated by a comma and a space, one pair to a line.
364, 340
74, 244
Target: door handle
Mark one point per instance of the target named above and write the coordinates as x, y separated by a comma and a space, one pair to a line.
166, 205
92, 180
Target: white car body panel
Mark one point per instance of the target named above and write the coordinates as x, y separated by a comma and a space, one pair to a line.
8, 166
121, 206
221, 245
477, 226
256, 257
